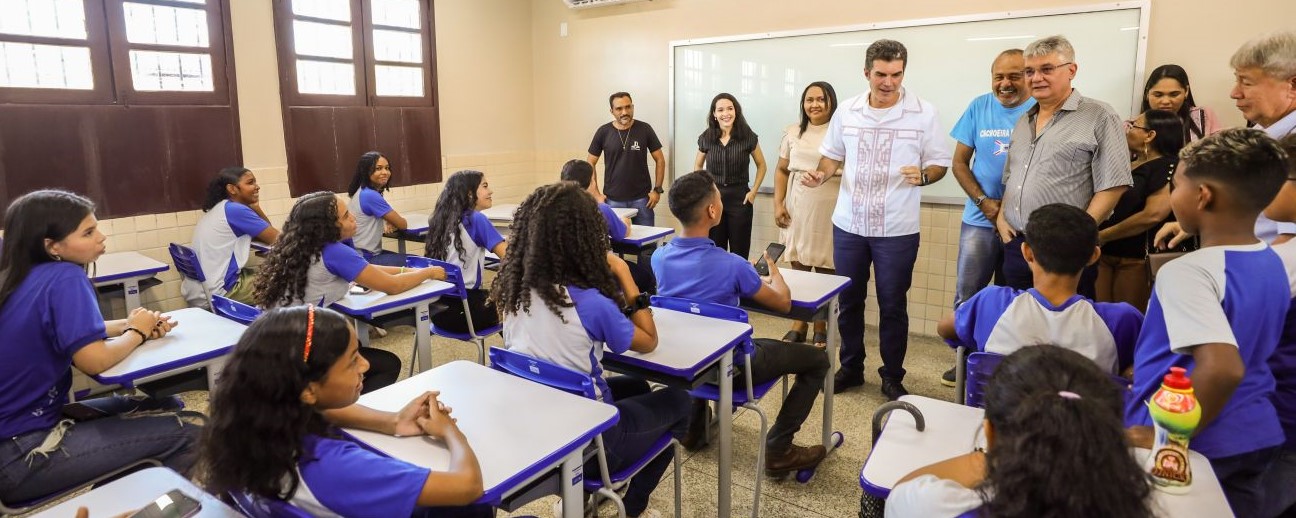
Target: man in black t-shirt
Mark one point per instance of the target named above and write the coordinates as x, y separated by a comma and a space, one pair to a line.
627, 143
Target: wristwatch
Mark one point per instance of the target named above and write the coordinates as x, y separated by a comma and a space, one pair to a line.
977, 201
640, 302
658, 189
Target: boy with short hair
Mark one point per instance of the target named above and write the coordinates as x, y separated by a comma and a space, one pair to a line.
691, 266
1220, 310
1281, 477
582, 173
1061, 240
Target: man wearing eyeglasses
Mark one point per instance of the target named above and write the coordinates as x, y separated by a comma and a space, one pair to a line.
1067, 149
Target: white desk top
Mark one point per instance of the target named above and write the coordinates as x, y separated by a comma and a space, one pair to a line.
641, 234
378, 302
503, 212
952, 430
686, 343
810, 289
200, 336
417, 221
517, 428
122, 265
132, 492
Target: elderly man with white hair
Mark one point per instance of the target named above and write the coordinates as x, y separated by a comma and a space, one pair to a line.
1068, 149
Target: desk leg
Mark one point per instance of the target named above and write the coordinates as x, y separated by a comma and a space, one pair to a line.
362, 331
834, 343
573, 496
423, 336
725, 412
214, 369
400, 245
131, 287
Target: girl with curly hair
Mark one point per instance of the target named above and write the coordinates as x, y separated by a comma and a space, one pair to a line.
293, 378
458, 233
232, 218
1055, 447
311, 265
564, 296
373, 214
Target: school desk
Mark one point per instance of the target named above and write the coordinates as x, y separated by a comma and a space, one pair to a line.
126, 269
501, 214
136, 490
416, 230
201, 339
375, 303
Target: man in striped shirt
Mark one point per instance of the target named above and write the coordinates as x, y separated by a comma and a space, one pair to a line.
1067, 149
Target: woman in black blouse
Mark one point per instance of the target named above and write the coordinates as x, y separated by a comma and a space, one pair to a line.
1154, 138
726, 149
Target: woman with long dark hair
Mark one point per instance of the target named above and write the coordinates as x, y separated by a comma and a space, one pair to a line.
311, 265
293, 378
1154, 138
1055, 446
50, 321
232, 218
726, 149
458, 233
805, 214
564, 297
1167, 89
373, 214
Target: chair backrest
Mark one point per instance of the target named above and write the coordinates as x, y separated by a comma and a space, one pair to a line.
543, 372
234, 310
454, 274
707, 309
186, 262
980, 366
257, 507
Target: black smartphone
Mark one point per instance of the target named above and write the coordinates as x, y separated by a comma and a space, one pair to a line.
174, 504
82, 412
775, 251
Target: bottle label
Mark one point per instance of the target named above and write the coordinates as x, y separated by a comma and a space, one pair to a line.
1176, 402
1171, 466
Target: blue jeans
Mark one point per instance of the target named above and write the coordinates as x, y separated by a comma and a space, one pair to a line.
1278, 484
135, 429
893, 258
980, 257
645, 415
645, 217
1243, 476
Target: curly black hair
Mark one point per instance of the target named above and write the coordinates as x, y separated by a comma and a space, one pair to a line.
253, 439
558, 238
458, 199
311, 225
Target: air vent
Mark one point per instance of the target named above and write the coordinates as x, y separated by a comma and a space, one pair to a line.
586, 4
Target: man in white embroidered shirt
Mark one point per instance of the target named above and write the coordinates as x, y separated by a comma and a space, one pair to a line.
890, 143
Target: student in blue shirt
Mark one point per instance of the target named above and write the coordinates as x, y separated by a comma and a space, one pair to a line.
312, 265
582, 173
290, 383
1061, 240
458, 233
232, 218
1219, 311
373, 214
1281, 477
50, 321
691, 266
564, 297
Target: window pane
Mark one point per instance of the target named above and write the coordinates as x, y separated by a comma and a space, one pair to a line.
339, 10
323, 40
52, 18
170, 71
398, 46
321, 77
397, 13
162, 25
23, 65
399, 81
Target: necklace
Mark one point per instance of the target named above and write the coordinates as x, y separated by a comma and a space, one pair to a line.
625, 140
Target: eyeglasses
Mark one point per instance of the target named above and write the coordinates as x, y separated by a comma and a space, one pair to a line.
1045, 70
1130, 124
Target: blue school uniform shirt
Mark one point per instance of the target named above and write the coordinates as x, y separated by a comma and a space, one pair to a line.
616, 227
695, 268
1000, 319
479, 236
329, 278
1219, 294
986, 127
347, 479
1283, 361
222, 240
50, 316
368, 206
576, 338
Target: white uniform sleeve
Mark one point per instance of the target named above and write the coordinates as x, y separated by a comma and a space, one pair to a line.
930, 497
833, 146
1190, 295
936, 149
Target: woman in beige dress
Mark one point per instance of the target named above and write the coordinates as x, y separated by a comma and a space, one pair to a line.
805, 214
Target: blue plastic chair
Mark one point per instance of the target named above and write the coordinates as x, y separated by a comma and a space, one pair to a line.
980, 366
258, 507
454, 275
186, 262
750, 398
14, 508
581, 384
234, 310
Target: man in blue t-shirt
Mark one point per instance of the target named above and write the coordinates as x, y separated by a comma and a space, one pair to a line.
982, 136
692, 267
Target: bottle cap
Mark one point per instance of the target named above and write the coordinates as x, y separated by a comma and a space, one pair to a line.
1177, 379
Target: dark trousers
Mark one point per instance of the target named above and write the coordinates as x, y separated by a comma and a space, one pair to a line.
1017, 272
1242, 478
384, 368
645, 416
734, 231
775, 358
452, 318
893, 259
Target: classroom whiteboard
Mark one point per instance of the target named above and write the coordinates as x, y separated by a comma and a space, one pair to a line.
949, 65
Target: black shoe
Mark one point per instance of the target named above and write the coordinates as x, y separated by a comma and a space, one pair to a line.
844, 380
948, 379
696, 436
893, 389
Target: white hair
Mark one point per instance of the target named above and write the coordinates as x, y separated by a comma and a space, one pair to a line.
1045, 46
1274, 53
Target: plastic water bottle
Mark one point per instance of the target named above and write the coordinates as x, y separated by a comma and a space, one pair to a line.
1175, 414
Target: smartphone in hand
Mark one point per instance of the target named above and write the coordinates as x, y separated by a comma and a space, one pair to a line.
775, 251
174, 504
